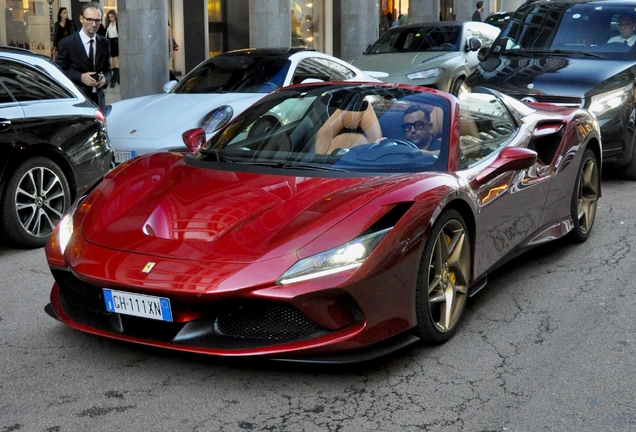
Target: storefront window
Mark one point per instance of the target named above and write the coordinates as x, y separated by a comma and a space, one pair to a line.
28, 24
307, 24
216, 27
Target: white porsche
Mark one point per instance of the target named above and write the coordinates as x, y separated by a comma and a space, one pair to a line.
213, 93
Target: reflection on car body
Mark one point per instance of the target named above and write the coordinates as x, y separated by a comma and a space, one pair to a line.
309, 228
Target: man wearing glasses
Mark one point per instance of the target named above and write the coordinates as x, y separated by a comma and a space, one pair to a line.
417, 128
626, 30
85, 56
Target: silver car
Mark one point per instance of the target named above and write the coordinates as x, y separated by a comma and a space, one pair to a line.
438, 54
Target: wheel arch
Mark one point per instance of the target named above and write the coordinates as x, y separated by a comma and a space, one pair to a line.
25, 152
594, 144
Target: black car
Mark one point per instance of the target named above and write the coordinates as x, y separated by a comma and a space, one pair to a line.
53, 145
564, 52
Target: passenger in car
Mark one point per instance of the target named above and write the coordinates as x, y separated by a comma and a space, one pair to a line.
417, 127
626, 29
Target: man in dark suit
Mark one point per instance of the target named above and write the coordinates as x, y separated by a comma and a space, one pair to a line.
478, 11
85, 56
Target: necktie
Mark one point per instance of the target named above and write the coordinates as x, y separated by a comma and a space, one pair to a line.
91, 54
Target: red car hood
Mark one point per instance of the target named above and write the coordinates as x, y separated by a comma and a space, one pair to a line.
160, 206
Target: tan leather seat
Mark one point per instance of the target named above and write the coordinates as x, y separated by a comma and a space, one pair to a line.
336, 131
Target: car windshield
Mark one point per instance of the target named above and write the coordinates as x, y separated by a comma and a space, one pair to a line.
418, 39
352, 129
565, 29
236, 73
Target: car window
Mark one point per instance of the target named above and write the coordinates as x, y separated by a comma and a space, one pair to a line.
237, 74
485, 126
569, 28
416, 39
322, 69
5, 97
26, 83
352, 129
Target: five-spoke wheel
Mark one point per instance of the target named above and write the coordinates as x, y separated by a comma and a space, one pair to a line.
36, 196
585, 197
443, 280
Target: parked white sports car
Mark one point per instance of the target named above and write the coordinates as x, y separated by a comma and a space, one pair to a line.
213, 93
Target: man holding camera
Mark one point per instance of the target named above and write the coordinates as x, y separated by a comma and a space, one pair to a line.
85, 56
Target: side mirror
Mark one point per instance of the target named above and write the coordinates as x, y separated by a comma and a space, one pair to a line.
482, 54
510, 159
474, 44
194, 139
169, 86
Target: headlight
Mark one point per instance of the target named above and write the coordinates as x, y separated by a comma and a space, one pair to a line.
216, 119
428, 73
347, 256
65, 230
612, 99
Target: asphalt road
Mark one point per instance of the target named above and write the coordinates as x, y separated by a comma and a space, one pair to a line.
548, 345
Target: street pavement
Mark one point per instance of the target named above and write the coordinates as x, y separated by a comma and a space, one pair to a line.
113, 94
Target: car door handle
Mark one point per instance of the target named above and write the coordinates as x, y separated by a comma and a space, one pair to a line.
4, 124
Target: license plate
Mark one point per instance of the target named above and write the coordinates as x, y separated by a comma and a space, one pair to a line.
123, 156
139, 305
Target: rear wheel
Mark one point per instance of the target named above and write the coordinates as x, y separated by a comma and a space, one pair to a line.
585, 197
35, 198
442, 286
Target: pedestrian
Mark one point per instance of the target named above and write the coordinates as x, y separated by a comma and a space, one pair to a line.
478, 11
113, 38
84, 57
63, 27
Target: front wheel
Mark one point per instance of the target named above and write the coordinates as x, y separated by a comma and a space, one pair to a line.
585, 197
35, 198
444, 275
456, 88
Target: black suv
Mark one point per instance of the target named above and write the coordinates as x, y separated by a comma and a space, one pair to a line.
564, 52
53, 145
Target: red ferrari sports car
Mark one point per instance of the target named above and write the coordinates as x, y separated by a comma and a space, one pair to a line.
327, 223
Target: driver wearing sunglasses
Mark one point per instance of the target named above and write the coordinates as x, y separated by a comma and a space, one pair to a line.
417, 127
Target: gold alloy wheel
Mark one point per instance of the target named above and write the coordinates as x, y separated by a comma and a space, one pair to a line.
448, 275
587, 198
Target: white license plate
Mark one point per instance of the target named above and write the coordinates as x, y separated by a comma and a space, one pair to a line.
139, 305
123, 156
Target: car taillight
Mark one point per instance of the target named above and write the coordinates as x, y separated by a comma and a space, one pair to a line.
100, 116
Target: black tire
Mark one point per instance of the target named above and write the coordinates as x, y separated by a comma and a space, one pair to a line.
628, 172
443, 279
34, 200
457, 86
585, 197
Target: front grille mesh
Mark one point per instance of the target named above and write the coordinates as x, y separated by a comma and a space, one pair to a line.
253, 320
269, 321
79, 294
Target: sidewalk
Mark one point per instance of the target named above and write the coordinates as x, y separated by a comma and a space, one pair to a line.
112, 94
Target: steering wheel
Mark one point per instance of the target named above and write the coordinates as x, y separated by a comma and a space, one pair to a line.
263, 125
447, 45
